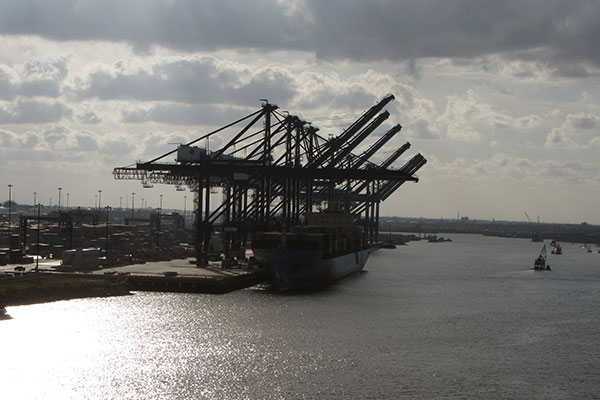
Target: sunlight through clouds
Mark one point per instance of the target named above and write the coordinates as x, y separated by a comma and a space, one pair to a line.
471, 80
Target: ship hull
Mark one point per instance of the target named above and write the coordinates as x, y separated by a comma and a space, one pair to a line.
307, 268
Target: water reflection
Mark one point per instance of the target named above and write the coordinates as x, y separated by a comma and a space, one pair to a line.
427, 321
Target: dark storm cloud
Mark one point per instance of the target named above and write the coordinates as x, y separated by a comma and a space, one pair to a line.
465, 28
552, 30
182, 24
194, 81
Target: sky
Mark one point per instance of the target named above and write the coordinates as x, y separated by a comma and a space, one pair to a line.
501, 97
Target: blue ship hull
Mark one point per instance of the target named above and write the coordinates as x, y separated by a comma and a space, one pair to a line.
307, 268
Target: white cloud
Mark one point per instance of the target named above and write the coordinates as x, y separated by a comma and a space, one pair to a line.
505, 168
25, 111
577, 131
10, 140
35, 78
89, 118
423, 130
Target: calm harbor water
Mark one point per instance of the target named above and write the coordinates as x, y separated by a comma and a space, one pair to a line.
461, 320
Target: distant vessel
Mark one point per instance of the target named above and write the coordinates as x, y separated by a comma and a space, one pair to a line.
329, 248
556, 249
540, 262
437, 239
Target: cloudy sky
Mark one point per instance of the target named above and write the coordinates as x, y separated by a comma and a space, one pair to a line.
502, 97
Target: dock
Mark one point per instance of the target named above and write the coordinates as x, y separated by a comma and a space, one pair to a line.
181, 275
184, 276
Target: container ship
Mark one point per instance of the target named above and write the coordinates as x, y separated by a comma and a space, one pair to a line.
329, 248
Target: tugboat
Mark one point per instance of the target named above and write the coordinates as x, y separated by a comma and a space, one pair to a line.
556, 249
540, 262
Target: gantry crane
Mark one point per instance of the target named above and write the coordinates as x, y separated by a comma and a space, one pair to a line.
271, 176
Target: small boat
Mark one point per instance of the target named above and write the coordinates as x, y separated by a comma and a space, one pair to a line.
556, 249
540, 262
437, 239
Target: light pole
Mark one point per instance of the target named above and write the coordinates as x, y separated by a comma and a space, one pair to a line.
159, 233
37, 259
132, 210
99, 199
59, 197
9, 206
184, 204
120, 209
106, 245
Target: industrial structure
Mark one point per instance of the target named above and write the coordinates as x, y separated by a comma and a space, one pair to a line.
274, 169
150, 235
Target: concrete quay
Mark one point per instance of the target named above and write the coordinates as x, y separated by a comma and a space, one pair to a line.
180, 275
184, 276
